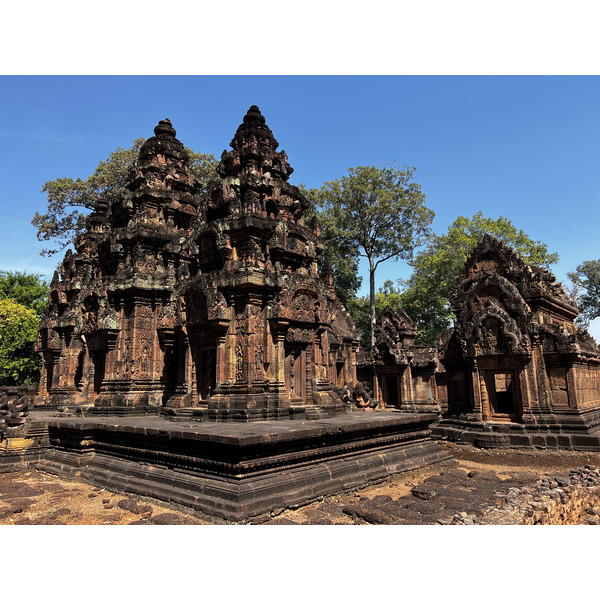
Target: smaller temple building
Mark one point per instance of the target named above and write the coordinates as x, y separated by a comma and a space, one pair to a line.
402, 375
519, 372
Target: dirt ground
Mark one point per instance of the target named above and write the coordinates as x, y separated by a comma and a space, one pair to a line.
470, 484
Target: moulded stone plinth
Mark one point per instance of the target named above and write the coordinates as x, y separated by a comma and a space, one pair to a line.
572, 432
237, 470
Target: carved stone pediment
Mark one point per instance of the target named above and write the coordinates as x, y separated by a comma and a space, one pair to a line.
394, 335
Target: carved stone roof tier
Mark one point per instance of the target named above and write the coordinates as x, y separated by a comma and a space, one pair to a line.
256, 175
251, 221
161, 187
133, 244
502, 305
536, 285
394, 336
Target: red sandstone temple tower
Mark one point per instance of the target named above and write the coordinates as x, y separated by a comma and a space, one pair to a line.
266, 332
212, 304
100, 337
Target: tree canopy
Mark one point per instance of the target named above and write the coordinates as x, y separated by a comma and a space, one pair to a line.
23, 298
19, 363
375, 212
426, 293
360, 309
586, 286
70, 200
29, 290
341, 255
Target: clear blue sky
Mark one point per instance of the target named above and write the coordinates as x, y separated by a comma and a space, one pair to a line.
524, 147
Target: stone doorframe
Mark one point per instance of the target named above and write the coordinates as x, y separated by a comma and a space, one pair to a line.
496, 381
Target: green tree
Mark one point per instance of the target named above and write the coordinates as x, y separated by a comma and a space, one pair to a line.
426, 293
338, 251
69, 201
19, 363
29, 290
585, 282
378, 213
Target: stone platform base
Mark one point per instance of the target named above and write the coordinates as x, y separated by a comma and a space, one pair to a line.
552, 432
237, 470
22, 447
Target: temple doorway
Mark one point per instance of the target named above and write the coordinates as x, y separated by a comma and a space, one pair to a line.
78, 377
391, 394
206, 373
340, 374
99, 360
502, 391
49, 376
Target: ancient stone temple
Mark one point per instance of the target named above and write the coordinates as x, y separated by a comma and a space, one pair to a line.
519, 372
214, 302
404, 376
201, 348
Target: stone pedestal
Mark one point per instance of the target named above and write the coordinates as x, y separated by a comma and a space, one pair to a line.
234, 471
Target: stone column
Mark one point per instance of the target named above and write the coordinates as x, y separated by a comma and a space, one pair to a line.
278, 362
406, 388
485, 398
477, 393
193, 379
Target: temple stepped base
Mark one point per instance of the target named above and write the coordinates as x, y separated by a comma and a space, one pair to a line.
568, 432
234, 470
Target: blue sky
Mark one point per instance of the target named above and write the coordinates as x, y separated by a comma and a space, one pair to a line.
524, 147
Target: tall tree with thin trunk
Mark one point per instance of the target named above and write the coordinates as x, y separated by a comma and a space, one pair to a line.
380, 212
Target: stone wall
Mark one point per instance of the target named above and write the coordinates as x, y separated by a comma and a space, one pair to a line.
587, 382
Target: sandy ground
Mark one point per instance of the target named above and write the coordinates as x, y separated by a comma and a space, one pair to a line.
471, 481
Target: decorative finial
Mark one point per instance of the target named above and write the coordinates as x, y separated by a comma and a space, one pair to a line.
253, 114
164, 129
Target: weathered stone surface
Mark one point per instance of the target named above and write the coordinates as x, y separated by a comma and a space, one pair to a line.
439, 498
237, 470
19, 490
556, 500
519, 372
281, 521
424, 492
212, 347
166, 519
